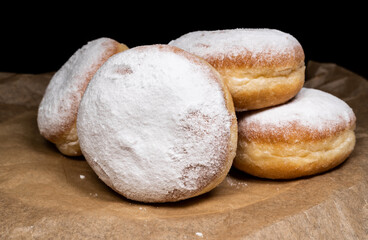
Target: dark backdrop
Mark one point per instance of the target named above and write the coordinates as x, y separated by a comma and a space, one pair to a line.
41, 41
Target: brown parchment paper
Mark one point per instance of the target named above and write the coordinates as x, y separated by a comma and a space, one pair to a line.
45, 195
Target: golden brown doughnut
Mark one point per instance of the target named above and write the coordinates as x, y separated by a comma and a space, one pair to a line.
57, 113
310, 134
262, 67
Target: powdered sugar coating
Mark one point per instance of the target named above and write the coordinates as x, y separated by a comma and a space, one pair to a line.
260, 46
58, 109
154, 125
311, 112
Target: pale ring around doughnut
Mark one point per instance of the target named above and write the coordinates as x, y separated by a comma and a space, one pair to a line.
157, 124
310, 134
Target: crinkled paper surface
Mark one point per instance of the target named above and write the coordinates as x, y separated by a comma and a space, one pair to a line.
44, 194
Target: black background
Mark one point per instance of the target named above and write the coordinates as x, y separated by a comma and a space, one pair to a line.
38, 41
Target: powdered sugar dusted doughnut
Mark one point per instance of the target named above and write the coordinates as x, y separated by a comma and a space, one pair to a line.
262, 67
157, 124
57, 113
310, 134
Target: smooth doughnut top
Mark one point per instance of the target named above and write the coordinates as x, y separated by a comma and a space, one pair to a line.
154, 123
311, 114
58, 109
243, 47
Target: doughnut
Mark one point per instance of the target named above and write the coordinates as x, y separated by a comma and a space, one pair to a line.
310, 134
261, 67
57, 112
157, 124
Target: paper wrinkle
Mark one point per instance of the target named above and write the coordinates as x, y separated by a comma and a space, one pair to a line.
46, 195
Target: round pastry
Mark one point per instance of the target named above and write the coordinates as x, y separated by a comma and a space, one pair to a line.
157, 124
261, 67
310, 134
57, 112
